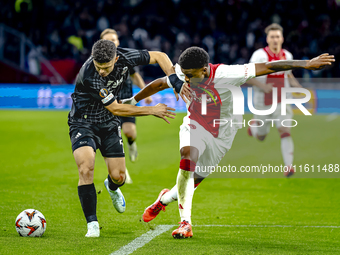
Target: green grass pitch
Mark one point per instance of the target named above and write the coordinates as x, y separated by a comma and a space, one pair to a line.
38, 171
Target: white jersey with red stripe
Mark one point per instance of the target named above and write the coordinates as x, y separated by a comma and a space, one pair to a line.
219, 98
278, 79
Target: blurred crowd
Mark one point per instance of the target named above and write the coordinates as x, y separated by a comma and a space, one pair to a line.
230, 30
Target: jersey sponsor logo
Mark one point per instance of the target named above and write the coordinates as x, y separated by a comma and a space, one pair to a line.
103, 93
124, 70
115, 84
107, 99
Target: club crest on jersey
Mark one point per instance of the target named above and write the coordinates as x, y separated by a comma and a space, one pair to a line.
124, 70
103, 93
212, 97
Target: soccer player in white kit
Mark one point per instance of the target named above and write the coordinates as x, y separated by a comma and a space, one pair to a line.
263, 101
201, 142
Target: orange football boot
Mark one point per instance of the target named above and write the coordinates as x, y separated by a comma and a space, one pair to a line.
183, 231
153, 210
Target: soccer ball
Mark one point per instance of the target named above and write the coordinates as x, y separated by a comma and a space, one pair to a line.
30, 222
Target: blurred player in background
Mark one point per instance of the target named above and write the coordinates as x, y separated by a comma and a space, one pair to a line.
128, 123
263, 100
94, 123
203, 143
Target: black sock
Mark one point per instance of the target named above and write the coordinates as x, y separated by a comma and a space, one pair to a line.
112, 185
131, 141
88, 199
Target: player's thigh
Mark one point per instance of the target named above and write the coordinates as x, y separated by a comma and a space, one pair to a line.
84, 146
191, 138
85, 159
262, 124
116, 168
215, 151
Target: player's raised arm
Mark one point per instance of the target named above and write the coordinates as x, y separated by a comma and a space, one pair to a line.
159, 110
162, 59
284, 65
165, 63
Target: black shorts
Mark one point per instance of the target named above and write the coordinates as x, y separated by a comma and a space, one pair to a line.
127, 119
106, 137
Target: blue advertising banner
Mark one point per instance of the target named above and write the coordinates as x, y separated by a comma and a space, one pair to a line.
28, 96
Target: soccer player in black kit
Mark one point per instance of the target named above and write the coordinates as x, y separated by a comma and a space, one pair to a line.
128, 124
94, 123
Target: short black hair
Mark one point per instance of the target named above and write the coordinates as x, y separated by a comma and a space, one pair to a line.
193, 58
104, 51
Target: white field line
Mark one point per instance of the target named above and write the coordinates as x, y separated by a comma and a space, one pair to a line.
160, 229
142, 240
265, 226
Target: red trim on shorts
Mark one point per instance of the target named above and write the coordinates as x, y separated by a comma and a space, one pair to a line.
187, 165
285, 135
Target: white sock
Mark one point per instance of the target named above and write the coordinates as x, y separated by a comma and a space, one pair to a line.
185, 189
253, 130
287, 150
170, 196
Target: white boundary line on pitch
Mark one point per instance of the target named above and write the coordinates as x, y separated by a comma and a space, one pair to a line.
265, 226
160, 229
142, 240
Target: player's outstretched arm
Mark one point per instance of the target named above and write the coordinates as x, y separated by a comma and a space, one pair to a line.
155, 86
284, 65
159, 110
152, 88
137, 79
165, 63
162, 60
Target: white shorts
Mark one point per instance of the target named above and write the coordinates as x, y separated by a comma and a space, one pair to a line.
211, 149
276, 116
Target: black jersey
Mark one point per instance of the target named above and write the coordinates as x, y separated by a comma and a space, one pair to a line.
126, 91
93, 92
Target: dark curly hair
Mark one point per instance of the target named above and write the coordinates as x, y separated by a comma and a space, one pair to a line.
104, 51
193, 58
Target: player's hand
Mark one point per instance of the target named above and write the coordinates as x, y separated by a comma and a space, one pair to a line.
185, 93
148, 100
320, 62
163, 111
268, 87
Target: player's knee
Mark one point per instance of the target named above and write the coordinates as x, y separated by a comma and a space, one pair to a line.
85, 168
118, 176
189, 153
130, 135
129, 131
